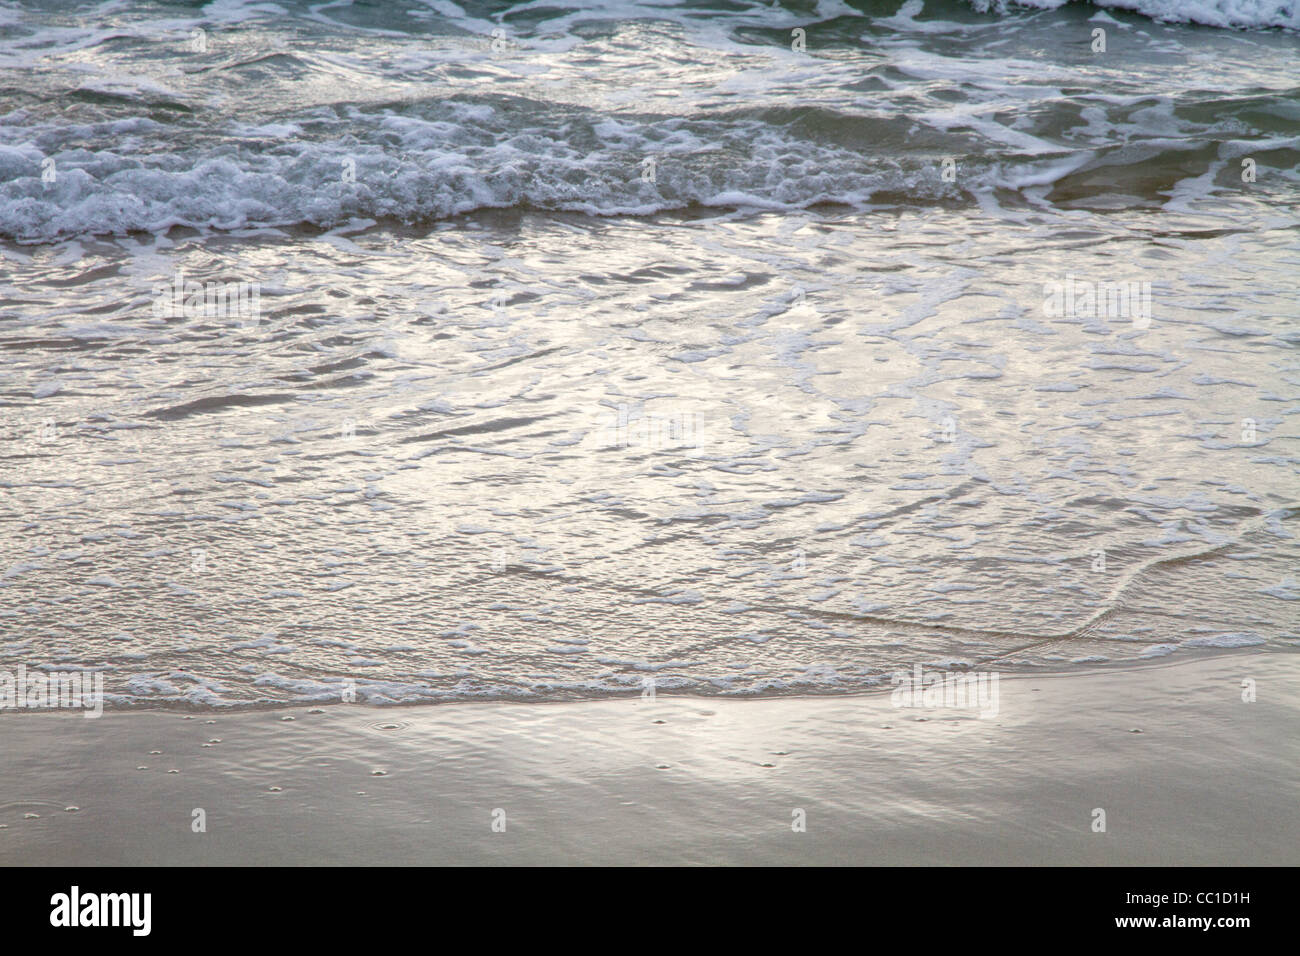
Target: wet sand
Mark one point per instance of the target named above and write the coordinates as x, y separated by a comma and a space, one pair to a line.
1209, 779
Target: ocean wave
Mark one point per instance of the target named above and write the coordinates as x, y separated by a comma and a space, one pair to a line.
482, 17
594, 167
323, 132
466, 158
1233, 14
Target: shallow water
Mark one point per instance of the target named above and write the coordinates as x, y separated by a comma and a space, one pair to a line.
521, 414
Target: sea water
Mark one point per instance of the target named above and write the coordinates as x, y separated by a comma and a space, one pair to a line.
414, 351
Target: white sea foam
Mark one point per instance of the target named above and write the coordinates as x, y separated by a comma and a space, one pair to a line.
446, 168
1214, 13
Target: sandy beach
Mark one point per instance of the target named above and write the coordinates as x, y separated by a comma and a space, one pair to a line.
1209, 779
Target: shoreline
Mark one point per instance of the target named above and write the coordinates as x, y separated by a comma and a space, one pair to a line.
1208, 780
1057, 669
